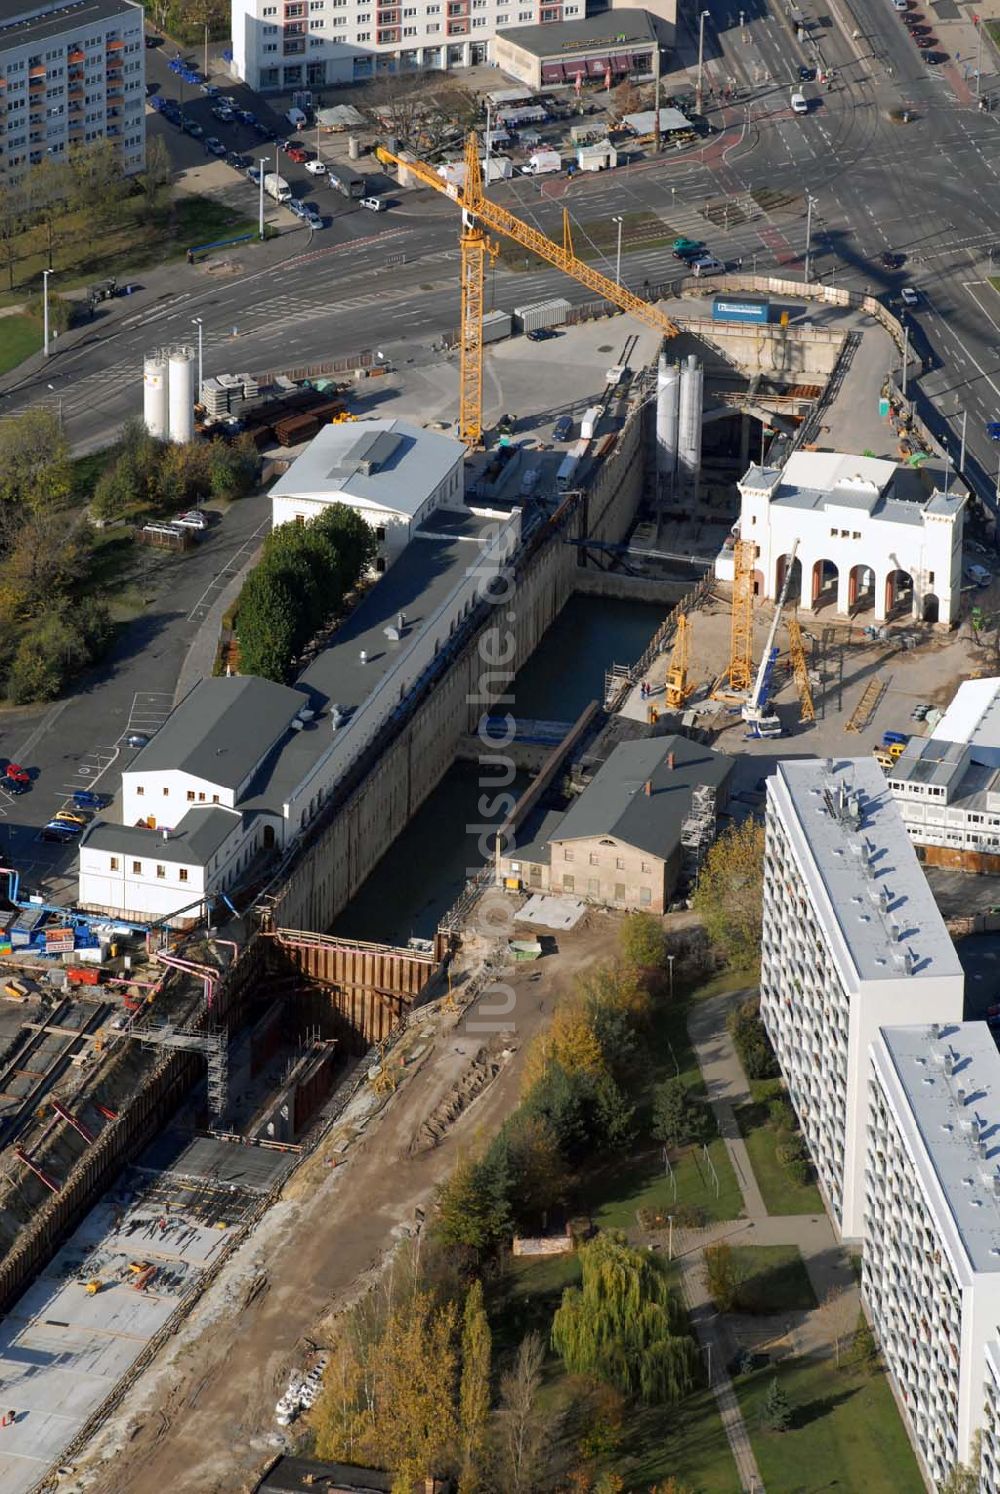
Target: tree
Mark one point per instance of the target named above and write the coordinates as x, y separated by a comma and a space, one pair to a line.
353, 540
533, 1163
729, 893
965, 1478
775, 1413
474, 1204
751, 1041
61, 311
522, 1426
158, 174
836, 1311
474, 1388
642, 942
267, 624
35, 471
863, 1346
725, 1277
622, 1325
678, 1117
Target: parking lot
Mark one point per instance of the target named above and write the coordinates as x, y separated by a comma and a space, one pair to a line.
180, 112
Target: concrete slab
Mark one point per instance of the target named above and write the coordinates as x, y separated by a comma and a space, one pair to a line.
552, 912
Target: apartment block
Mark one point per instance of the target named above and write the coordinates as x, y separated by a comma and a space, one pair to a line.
989, 1468
947, 784
70, 75
852, 941
931, 1268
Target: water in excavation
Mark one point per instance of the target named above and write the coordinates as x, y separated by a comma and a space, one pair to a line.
425, 869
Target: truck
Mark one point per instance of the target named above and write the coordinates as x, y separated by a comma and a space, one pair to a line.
542, 162
569, 464
275, 186
349, 183
601, 156
591, 420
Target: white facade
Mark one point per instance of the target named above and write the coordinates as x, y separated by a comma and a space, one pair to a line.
394, 474
931, 1267
947, 784
148, 874
70, 75
989, 1471
852, 941
873, 538
292, 44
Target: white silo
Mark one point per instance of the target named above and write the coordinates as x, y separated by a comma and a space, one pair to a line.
689, 435
668, 391
154, 395
180, 376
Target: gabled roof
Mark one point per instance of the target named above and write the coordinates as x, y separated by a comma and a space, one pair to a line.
202, 831
387, 464
222, 729
615, 803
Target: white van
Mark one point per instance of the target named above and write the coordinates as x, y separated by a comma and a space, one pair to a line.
800, 104
374, 204
297, 119
707, 264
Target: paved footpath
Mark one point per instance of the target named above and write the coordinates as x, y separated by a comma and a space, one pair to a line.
828, 1268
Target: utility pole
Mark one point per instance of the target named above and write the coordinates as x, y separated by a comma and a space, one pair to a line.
656, 106
45, 312
701, 61
906, 356
205, 68
260, 224
196, 321
809, 229
961, 454
618, 260
979, 54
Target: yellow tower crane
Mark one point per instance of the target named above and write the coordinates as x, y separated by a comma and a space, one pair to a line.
807, 711
676, 685
481, 214
737, 678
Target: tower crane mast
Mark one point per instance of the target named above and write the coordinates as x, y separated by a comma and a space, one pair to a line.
480, 215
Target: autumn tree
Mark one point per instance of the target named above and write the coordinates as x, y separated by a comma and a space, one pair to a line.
965, 1478
473, 1205
474, 1389
522, 1425
622, 1324
642, 942
35, 471
729, 892
725, 1276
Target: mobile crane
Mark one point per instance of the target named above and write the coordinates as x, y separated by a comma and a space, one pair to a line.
479, 214
761, 721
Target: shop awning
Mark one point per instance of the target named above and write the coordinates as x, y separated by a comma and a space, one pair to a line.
552, 72
621, 63
597, 66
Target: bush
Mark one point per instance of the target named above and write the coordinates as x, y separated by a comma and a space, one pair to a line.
799, 1170
751, 1041
781, 1115
792, 1150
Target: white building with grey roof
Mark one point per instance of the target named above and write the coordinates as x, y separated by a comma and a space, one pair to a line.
274, 755
396, 475
947, 784
852, 941
874, 539
931, 1266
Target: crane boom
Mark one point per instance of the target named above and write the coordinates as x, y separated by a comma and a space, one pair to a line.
755, 710
479, 213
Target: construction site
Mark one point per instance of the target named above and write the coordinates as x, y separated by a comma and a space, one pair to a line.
175, 1115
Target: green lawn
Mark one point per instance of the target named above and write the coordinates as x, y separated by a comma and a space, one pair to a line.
776, 1279
20, 336
781, 1194
201, 220
637, 1192
846, 1433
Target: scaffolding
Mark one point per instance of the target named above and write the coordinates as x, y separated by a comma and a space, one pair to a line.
698, 831
214, 1045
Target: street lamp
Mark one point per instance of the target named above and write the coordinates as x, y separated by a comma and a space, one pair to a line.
618, 260
670, 967
810, 201
961, 454
45, 312
701, 60
58, 395
263, 160
196, 322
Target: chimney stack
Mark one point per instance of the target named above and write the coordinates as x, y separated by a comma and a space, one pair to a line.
647, 787
671, 761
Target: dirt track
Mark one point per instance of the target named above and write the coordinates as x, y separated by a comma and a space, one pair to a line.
200, 1417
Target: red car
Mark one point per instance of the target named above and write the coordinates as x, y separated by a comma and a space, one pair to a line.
18, 774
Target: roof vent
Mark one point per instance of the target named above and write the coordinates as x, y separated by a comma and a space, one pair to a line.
296, 724
393, 634
363, 656
960, 1095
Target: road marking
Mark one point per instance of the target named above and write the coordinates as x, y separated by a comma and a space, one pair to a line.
967, 285
47, 722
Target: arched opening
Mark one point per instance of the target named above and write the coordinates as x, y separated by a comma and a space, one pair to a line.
898, 593
860, 588
268, 837
931, 608
795, 581
825, 577
758, 583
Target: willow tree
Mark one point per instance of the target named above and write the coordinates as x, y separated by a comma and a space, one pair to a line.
622, 1325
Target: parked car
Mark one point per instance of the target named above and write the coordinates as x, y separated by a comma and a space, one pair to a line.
316, 168
136, 739
909, 296
246, 117
87, 799
71, 831
17, 774
296, 207
70, 817
919, 713
374, 204
891, 261
541, 334
993, 430
253, 175
563, 428
295, 151
215, 145
192, 128
60, 834
193, 519
236, 161
978, 575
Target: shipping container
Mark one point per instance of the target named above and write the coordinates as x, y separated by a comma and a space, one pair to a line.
83, 975
741, 309
542, 314
599, 157
497, 324
349, 183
